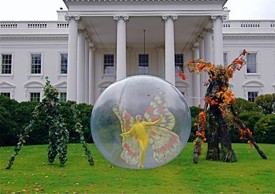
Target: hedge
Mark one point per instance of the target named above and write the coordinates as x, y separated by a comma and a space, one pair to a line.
14, 116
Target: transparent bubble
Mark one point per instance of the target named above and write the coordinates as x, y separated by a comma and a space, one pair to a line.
149, 140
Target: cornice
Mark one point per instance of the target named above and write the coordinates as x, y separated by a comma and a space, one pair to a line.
249, 36
192, 1
27, 37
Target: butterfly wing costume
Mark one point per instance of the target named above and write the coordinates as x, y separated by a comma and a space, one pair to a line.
165, 143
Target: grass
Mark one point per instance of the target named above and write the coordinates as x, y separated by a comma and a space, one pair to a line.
32, 174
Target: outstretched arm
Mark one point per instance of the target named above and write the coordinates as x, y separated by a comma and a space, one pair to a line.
129, 133
154, 122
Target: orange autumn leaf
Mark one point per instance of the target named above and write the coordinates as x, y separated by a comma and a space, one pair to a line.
181, 75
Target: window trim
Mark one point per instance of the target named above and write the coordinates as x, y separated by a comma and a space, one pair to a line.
59, 96
227, 58
103, 65
138, 64
33, 87
252, 86
12, 65
3, 93
30, 74
257, 65
252, 91
180, 68
6, 87
60, 64
35, 92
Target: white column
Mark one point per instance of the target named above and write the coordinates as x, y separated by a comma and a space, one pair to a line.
208, 57
72, 57
121, 47
87, 88
218, 39
202, 75
201, 47
81, 68
196, 78
160, 60
208, 46
91, 75
169, 48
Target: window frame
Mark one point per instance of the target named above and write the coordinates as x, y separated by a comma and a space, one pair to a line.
61, 98
41, 64
11, 65
34, 92
144, 69
105, 65
256, 64
226, 58
5, 94
179, 68
62, 64
248, 96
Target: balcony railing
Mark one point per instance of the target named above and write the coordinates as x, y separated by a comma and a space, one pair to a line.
249, 26
33, 25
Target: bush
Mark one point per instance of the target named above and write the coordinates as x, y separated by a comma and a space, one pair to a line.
9, 128
86, 110
249, 119
14, 117
264, 130
266, 102
243, 105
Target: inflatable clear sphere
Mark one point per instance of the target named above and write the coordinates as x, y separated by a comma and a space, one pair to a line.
140, 122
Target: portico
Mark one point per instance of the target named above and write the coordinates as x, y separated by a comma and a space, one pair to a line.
126, 29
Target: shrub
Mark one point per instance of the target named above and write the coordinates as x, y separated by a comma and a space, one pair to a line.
9, 128
14, 117
264, 130
243, 105
67, 113
266, 102
249, 119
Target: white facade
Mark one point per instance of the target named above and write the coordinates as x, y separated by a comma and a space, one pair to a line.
109, 40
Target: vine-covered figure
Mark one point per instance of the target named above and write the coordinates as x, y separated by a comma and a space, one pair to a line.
220, 99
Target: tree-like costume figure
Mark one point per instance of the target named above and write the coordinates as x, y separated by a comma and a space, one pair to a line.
219, 98
58, 133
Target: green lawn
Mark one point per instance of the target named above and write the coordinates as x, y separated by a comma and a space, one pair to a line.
31, 173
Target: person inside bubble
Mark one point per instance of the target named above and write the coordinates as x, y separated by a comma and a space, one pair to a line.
139, 130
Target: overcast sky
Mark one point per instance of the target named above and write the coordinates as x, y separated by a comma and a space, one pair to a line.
46, 9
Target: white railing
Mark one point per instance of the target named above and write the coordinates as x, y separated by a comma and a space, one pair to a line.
34, 25
248, 24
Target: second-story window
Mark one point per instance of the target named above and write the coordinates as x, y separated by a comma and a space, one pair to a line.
6, 64
251, 63
178, 63
143, 64
36, 65
108, 63
63, 63
225, 59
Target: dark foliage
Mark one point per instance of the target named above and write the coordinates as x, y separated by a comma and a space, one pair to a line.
15, 116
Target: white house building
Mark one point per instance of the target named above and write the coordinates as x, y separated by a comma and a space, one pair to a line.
97, 42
